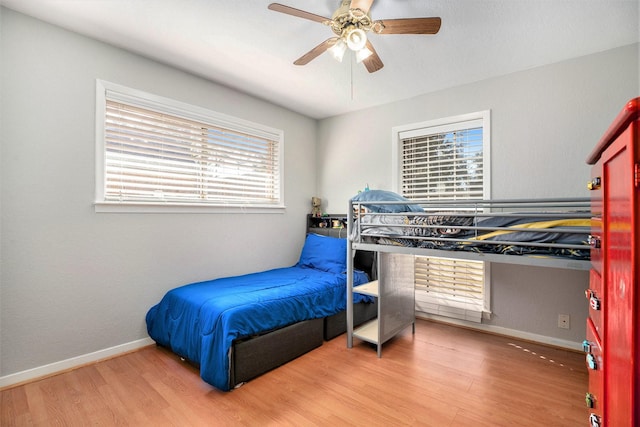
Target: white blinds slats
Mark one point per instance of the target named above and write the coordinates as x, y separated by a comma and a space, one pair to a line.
458, 281
154, 156
445, 165
446, 162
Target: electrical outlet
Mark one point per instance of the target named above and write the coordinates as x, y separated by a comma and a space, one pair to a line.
564, 321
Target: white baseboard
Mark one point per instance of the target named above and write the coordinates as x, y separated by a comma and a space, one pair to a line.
499, 330
74, 362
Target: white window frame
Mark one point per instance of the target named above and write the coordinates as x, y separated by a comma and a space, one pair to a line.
157, 103
482, 118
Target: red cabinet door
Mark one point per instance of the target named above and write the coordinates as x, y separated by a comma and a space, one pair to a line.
620, 278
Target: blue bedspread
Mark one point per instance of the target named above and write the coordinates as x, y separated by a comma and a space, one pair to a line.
200, 321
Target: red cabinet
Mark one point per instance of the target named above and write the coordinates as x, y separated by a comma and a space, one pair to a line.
613, 327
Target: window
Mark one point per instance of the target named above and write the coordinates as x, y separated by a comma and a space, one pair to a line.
154, 153
446, 159
450, 287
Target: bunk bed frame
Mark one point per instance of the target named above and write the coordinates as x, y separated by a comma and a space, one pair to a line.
393, 227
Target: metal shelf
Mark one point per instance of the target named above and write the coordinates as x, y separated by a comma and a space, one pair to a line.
370, 288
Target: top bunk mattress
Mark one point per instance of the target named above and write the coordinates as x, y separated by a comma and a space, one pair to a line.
554, 228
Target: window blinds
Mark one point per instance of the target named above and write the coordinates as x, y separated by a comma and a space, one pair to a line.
451, 281
443, 163
153, 156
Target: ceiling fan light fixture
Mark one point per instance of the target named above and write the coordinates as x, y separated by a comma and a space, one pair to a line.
350, 23
363, 54
338, 50
356, 39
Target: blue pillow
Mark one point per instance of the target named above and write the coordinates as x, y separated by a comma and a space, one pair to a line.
324, 253
385, 196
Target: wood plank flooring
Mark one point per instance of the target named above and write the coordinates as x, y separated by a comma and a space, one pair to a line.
441, 376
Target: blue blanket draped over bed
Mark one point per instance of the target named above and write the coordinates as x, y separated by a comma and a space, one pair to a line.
200, 321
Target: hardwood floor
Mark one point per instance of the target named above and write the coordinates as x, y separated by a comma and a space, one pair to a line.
441, 376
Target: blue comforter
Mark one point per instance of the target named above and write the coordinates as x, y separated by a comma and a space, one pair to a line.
200, 321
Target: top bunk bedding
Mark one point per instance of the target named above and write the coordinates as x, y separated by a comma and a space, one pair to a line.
541, 232
200, 321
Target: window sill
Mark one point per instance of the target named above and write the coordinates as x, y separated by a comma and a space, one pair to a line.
133, 207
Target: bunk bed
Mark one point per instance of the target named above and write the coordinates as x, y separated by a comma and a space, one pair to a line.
236, 328
543, 232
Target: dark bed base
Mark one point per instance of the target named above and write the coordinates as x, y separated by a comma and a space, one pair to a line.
256, 355
337, 324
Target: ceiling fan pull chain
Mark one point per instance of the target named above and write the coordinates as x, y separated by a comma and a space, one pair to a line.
351, 67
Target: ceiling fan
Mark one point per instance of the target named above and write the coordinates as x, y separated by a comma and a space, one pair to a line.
351, 22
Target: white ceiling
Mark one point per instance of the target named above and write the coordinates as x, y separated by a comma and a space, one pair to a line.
243, 45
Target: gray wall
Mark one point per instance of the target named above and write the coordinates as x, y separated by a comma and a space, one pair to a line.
544, 123
74, 281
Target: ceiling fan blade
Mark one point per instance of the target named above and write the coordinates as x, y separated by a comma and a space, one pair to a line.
316, 51
363, 5
297, 12
373, 62
411, 26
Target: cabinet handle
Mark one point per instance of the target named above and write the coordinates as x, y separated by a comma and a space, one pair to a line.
595, 183
594, 302
591, 362
594, 420
593, 241
586, 346
589, 400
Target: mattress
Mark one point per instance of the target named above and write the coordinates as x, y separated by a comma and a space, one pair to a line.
559, 235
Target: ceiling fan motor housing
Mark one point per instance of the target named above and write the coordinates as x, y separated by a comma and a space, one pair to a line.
345, 20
